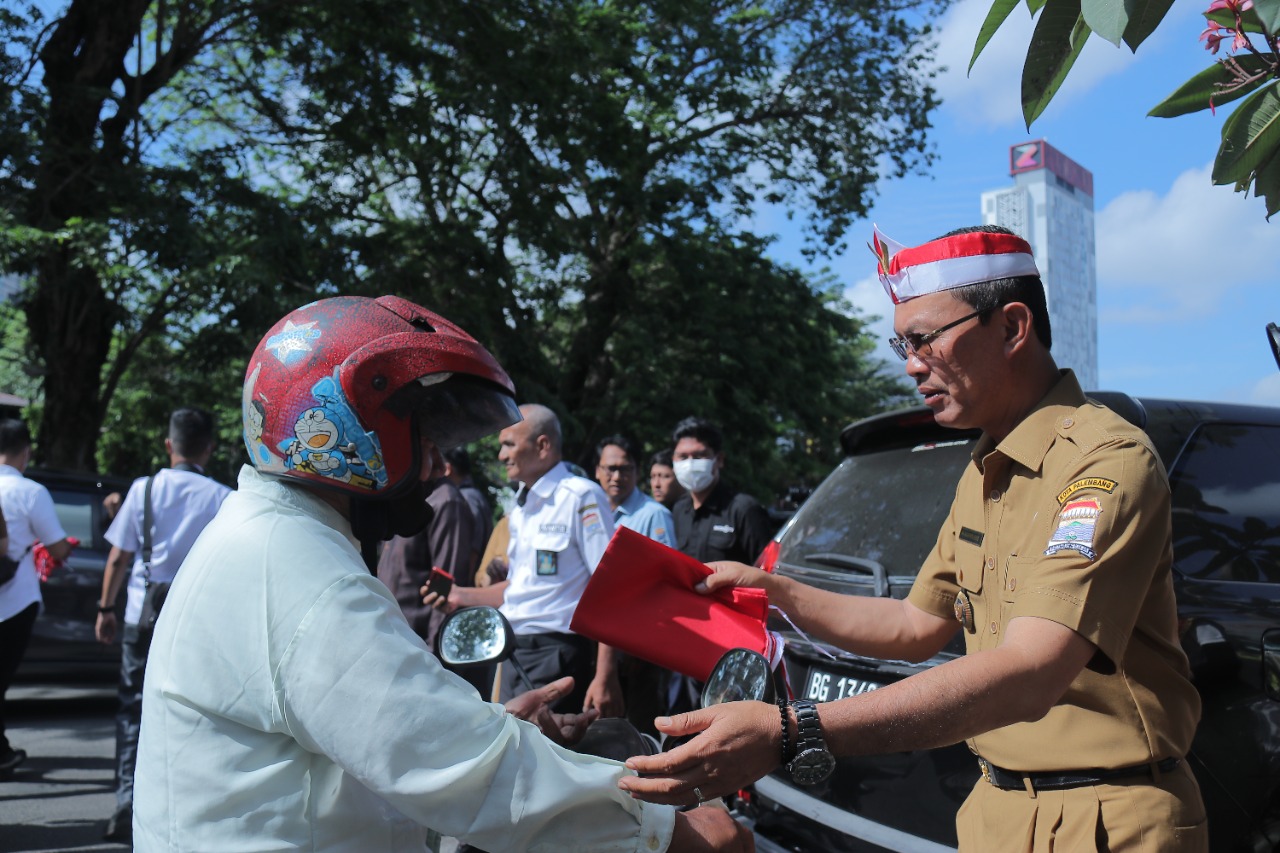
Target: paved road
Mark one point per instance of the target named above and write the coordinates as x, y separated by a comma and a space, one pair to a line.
61, 797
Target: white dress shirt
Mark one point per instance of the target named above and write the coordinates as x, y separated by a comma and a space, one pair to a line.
30, 515
557, 539
182, 503
288, 706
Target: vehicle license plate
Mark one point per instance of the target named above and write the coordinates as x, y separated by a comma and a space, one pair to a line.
827, 687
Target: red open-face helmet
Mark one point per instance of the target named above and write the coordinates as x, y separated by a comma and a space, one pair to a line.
338, 392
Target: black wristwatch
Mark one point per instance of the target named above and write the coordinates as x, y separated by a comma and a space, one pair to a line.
813, 762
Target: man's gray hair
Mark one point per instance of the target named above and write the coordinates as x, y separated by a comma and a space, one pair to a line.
542, 421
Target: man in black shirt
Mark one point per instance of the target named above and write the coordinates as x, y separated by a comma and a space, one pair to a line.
712, 522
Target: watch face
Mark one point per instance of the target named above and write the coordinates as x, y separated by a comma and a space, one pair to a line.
812, 766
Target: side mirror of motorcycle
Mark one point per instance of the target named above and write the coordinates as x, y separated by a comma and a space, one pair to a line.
740, 674
1273, 334
475, 635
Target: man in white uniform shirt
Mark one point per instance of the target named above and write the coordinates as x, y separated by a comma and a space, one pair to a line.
30, 516
182, 501
288, 705
560, 526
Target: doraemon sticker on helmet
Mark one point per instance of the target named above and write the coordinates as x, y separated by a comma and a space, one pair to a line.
329, 442
293, 342
255, 415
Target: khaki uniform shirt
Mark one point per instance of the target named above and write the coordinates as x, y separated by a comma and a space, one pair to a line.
1067, 519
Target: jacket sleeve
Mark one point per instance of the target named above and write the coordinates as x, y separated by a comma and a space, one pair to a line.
382, 708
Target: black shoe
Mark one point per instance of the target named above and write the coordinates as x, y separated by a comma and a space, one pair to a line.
120, 827
9, 761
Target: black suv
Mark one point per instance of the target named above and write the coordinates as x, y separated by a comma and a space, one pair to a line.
62, 644
867, 529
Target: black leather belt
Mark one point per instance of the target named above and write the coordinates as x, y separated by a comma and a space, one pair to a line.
1011, 780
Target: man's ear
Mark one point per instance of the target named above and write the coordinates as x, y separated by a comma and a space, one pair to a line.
168, 446
1019, 327
543, 443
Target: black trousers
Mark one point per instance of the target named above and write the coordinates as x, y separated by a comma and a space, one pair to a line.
133, 665
15, 632
540, 659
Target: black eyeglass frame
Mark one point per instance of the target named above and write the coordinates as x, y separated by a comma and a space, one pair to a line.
920, 344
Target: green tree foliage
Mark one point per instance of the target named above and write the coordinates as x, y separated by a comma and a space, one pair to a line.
570, 181
1249, 156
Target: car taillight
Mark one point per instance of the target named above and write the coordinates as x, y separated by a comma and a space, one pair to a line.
768, 558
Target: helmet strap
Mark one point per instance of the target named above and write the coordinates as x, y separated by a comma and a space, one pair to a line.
374, 521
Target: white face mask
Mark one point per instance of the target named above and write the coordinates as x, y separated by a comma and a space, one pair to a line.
695, 474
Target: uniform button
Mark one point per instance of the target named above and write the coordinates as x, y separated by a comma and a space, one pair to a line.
991, 562
995, 494
1068, 423
653, 842
1013, 584
993, 627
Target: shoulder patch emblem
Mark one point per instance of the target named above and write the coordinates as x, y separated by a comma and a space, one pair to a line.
1102, 484
1076, 523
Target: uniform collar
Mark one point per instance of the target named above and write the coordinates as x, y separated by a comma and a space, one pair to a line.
1031, 439
632, 504
546, 484
10, 471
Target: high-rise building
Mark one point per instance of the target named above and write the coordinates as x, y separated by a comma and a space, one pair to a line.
1050, 205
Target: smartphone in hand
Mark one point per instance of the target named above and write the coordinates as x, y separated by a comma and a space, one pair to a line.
441, 582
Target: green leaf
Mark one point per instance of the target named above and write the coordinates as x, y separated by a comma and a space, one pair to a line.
995, 18
1059, 37
1107, 18
1267, 184
1268, 12
1250, 137
1193, 95
1144, 17
1034, 6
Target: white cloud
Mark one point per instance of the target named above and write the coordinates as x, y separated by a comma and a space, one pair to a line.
1267, 391
868, 296
992, 94
1181, 253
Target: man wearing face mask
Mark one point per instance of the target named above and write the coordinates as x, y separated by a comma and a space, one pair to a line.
712, 521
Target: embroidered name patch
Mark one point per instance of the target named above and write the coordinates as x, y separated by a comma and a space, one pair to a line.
1102, 484
1076, 523
973, 537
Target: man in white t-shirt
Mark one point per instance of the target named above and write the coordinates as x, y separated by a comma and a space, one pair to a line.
182, 501
30, 516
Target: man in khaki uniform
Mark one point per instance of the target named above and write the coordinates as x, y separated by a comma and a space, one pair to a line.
1054, 562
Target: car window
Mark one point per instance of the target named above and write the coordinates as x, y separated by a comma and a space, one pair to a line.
75, 513
885, 506
1226, 504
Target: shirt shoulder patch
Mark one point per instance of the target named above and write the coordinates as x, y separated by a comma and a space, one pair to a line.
1101, 484
1076, 523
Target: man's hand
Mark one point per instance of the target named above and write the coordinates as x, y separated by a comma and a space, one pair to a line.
604, 694
105, 628
739, 743
727, 573
710, 829
535, 707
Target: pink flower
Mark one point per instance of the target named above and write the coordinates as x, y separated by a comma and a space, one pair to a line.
1212, 37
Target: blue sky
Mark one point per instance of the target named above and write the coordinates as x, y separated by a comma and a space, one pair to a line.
1188, 272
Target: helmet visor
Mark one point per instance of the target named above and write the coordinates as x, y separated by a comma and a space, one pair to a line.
453, 409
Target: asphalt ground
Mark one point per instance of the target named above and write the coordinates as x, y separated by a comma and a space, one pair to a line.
61, 797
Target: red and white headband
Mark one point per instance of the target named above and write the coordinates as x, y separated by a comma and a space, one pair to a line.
948, 262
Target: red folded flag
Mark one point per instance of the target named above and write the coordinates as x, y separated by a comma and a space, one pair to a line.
641, 601
45, 564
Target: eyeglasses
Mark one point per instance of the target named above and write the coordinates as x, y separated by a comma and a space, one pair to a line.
920, 344
624, 470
